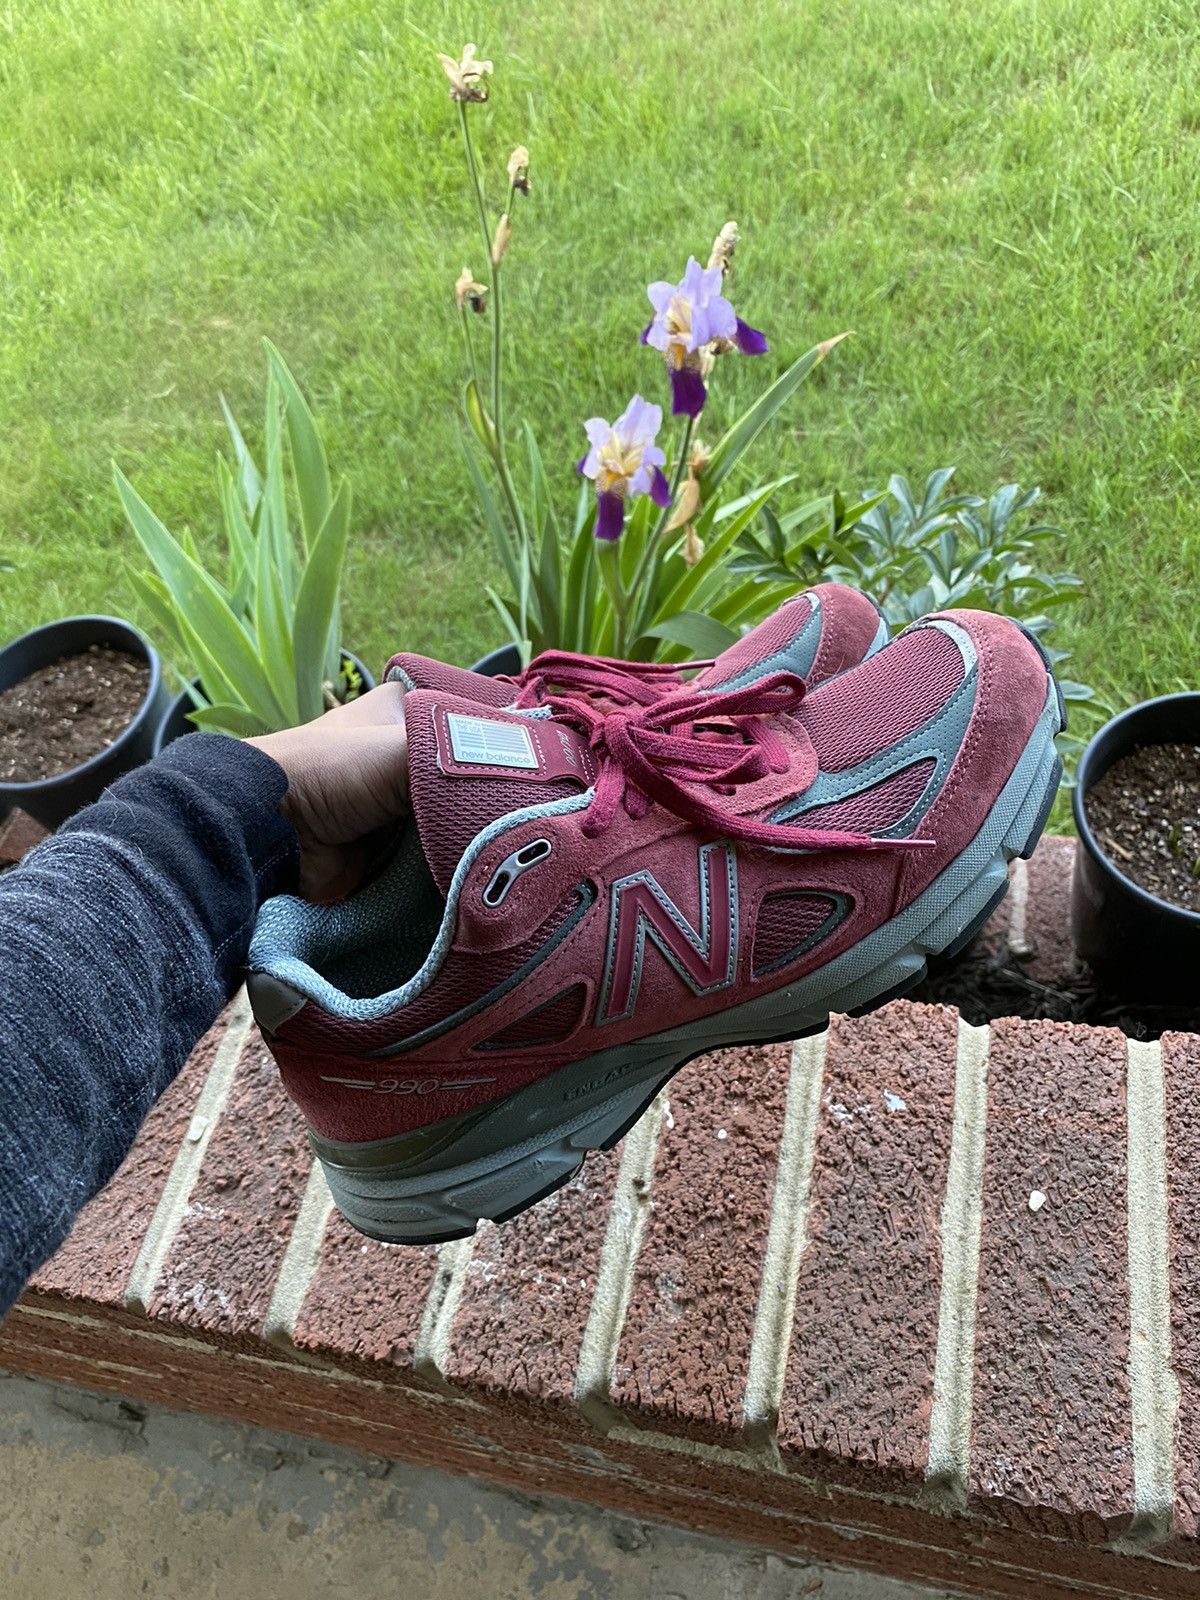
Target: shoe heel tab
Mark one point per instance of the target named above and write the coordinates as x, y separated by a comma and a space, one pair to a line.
272, 1001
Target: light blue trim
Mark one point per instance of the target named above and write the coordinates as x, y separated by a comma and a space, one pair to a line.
701, 943
796, 656
939, 740
290, 929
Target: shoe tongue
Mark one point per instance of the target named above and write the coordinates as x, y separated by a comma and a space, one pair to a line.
774, 645
471, 763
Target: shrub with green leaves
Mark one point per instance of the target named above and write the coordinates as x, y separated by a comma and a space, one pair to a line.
264, 643
914, 554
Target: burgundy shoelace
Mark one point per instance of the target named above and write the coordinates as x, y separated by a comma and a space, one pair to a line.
681, 747
623, 682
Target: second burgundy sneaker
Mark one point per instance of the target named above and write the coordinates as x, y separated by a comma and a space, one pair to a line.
816, 634
589, 894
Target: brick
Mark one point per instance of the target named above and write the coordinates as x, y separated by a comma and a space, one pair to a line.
858, 1386
95, 1261
1048, 914
684, 1353
366, 1299
222, 1265
1051, 1434
1181, 1071
527, 1293
18, 835
782, 1513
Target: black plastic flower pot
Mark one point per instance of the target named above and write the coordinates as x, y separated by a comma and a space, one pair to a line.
502, 663
52, 800
175, 721
1139, 947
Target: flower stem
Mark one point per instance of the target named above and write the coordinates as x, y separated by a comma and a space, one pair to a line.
469, 348
653, 542
608, 559
497, 398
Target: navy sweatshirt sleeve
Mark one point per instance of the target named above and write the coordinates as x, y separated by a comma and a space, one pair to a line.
120, 940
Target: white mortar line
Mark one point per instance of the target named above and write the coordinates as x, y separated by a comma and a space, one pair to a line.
432, 1344
300, 1261
614, 1274
172, 1205
962, 1216
1154, 1390
1018, 903
787, 1239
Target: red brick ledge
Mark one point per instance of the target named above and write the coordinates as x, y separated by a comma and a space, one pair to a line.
910, 1296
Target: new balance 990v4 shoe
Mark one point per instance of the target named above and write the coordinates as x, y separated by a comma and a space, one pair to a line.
590, 893
816, 634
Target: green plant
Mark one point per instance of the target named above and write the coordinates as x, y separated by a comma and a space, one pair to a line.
640, 570
914, 555
265, 643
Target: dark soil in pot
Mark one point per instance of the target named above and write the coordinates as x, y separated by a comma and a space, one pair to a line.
63, 714
1145, 814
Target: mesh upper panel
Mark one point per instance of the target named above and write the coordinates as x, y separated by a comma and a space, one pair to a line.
871, 810
425, 673
786, 921
864, 711
451, 811
546, 1025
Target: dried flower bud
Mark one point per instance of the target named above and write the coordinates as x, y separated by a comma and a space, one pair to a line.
501, 240
693, 547
466, 75
724, 245
699, 461
686, 507
469, 293
518, 169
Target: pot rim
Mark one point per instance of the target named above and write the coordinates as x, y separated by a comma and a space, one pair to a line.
135, 724
1078, 797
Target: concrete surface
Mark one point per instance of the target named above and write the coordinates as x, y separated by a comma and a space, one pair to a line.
103, 1500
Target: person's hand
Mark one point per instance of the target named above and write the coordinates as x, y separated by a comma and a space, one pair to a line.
347, 778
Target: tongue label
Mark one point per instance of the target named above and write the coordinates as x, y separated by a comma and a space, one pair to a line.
536, 748
479, 742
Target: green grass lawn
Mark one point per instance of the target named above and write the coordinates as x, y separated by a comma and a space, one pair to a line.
1000, 199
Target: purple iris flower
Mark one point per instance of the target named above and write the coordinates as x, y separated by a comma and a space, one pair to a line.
623, 462
692, 323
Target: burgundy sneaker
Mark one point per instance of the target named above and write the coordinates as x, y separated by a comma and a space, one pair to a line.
816, 634
589, 895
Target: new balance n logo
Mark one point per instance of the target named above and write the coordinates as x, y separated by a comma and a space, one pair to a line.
705, 958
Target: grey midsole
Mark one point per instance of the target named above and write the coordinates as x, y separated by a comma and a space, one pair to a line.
577, 1107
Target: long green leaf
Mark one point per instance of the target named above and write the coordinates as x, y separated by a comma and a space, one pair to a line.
482, 425
248, 473
309, 465
236, 720
316, 604
224, 648
273, 523
504, 612
240, 537
549, 574
272, 626
681, 596
153, 593
702, 636
576, 588
751, 423
491, 514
